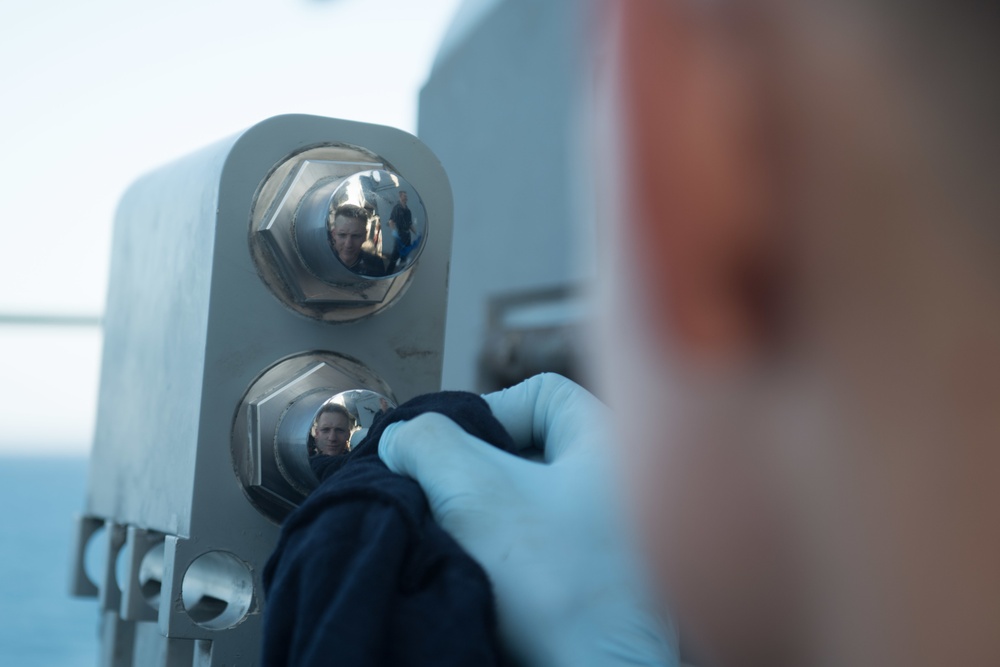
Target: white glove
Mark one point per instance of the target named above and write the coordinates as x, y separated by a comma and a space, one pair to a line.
549, 535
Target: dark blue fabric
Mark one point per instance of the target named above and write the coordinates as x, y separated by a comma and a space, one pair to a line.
363, 576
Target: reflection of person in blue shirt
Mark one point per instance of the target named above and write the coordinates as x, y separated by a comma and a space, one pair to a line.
348, 231
401, 220
401, 224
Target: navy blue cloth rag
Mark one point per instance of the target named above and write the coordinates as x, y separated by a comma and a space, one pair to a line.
362, 575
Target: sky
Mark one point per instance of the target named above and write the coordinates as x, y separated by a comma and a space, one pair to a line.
96, 93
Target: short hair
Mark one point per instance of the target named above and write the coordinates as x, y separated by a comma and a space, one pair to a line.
334, 408
348, 211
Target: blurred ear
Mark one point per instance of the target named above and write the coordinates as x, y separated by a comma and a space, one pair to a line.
700, 174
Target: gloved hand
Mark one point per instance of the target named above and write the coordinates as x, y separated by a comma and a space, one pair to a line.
549, 535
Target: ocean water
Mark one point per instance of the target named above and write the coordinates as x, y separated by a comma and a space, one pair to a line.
40, 624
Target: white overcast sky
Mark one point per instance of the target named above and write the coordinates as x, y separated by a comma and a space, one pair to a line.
94, 93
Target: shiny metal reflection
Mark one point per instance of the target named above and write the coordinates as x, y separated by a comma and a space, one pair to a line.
273, 423
295, 442
217, 590
336, 233
370, 225
151, 575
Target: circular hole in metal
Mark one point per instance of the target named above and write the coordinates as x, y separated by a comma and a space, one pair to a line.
217, 590
95, 556
151, 575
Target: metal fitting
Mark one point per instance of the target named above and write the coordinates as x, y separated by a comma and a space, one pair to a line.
271, 431
291, 238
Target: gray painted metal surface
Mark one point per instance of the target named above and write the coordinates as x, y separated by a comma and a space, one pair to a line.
503, 110
189, 326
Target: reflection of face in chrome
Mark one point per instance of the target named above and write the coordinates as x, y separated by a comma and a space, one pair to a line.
348, 232
333, 432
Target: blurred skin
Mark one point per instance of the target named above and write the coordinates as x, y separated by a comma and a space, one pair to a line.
333, 434
812, 436
348, 235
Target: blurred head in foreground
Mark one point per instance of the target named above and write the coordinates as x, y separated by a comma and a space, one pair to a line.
812, 256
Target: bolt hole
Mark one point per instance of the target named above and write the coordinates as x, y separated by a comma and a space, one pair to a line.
95, 556
151, 575
217, 590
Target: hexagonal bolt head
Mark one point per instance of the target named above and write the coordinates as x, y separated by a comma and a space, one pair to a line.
275, 416
291, 244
